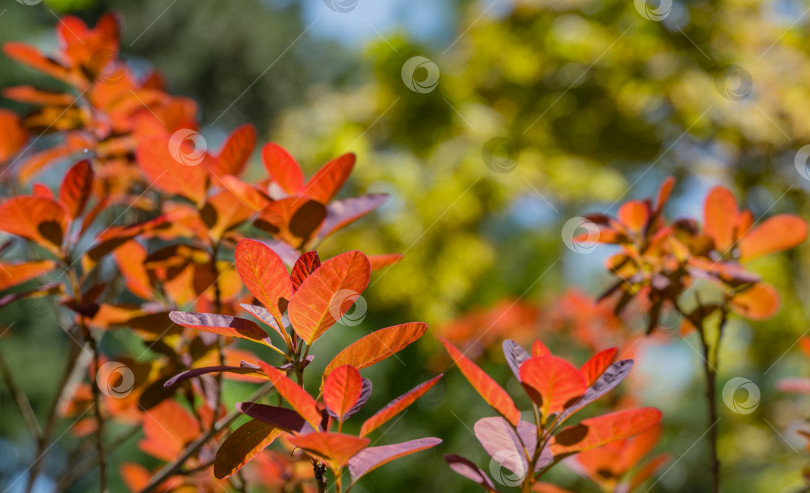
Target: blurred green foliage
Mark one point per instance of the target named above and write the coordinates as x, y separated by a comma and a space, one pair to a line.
595, 104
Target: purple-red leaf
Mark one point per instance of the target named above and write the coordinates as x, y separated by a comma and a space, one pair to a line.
373, 457
397, 406
280, 417
469, 470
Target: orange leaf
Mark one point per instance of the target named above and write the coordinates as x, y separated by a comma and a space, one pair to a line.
36, 162
242, 445
246, 193
759, 302
264, 275
326, 183
235, 152
598, 431
296, 396
282, 168
720, 217
35, 218
774, 234
594, 367
167, 428
377, 346
341, 390
76, 188
14, 136
328, 293
634, 214
222, 212
397, 406
33, 95
14, 273
492, 393
554, 380
539, 349
333, 448
174, 166
664, 191
28, 55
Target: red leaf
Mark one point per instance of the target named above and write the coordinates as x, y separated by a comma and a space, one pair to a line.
333, 448
14, 273
296, 396
282, 168
264, 275
327, 294
235, 152
174, 167
244, 444
774, 234
28, 55
167, 428
76, 188
539, 349
377, 346
221, 324
371, 458
598, 431
304, 266
606, 382
341, 390
492, 393
381, 261
33, 164
35, 218
397, 406
554, 380
469, 470
326, 183
634, 215
594, 367
14, 136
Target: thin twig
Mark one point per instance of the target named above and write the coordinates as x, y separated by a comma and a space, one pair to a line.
21, 399
88, 464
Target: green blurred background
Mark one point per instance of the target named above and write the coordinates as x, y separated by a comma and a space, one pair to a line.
584, 104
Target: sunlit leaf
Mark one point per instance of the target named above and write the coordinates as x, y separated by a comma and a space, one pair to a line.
515, 356
594, 367
469, 470
235, 152
37, 219
264, 275
774, 234
606, 382
16, 272
282, 168
242, 445
14, 136
341, 213
328, 180
502, 444
327, 294
296, 396
492, 393
554, 380
397, 406
333, 448
377, 346
720, 217
381, 261
759, 302
598, 431
304, 266
341, 390
220, 324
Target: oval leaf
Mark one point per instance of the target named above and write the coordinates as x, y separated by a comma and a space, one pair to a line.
397, 406
377, 346
243, 445
373, 457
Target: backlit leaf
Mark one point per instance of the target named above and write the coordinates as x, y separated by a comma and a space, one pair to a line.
293, 220
76, 188
14, 136
304, 266
598, 431
242, 445
282, 168
469, 470
264, 275
341, 390
606, 382
515, 356
296, 397
16, 272
220, 324
397, 406
552, 378
492, 393
381, 261
377, 346
328, 180
502, 444
341, 213
333, 448
35, 218
594, 367
774, 234
720, 216
759, 302
327, 294
235, 152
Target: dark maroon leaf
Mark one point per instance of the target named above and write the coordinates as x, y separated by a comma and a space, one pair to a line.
220, 324
280, 417
304, 266
196, 372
